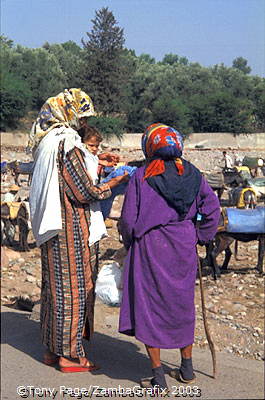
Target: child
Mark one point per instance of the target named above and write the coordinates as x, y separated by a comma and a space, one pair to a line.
91, 139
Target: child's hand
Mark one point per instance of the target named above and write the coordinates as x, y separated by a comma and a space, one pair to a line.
108, 159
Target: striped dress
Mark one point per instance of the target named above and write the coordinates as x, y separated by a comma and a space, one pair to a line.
69, 266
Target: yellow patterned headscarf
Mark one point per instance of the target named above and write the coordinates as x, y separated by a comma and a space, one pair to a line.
65, 109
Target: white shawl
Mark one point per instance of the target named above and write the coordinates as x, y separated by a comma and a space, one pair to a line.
97, 229
44, 198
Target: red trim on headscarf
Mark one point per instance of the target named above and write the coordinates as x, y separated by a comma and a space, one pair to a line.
179, 166
157, 167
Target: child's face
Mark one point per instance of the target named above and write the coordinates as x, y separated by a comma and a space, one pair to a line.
92, 144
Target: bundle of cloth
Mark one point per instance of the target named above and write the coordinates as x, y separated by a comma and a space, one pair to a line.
118, 190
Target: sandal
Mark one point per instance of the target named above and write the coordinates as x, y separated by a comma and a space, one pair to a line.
176, 373
79, 368
146, 383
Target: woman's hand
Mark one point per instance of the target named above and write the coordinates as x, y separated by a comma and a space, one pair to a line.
108, 159
118, 180
104, 188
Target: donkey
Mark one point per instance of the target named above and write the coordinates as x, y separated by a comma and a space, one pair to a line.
9, 221
20, 168
223, 240
8, 224
24, 225
243, 197
216, 182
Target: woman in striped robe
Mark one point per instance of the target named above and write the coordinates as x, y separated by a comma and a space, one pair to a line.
60, 198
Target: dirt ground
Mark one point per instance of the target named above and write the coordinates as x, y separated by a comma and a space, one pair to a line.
235, 302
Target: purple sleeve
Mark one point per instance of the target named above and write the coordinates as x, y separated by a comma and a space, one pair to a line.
129, 212
209, 208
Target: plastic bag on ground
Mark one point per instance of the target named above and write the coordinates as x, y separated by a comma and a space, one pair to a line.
109, 283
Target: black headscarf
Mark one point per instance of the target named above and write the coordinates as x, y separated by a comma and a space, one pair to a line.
179, 191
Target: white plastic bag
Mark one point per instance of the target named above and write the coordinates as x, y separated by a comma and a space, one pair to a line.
108, 284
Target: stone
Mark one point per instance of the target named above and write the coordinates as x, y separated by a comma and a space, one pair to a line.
11, 254
115, 211
31, 279
243, 313
239, 307
30, 270
251, 303
4, 258
16, 268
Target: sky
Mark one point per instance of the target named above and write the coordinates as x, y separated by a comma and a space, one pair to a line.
205, 31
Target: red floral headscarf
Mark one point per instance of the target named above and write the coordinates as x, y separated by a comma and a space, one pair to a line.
160, 143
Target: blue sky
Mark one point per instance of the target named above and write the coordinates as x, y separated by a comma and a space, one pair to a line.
205, 31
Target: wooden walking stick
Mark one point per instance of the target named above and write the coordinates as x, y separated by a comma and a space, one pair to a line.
206, 327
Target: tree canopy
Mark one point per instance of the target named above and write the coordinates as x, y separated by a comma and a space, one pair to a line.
129, 91
104, 73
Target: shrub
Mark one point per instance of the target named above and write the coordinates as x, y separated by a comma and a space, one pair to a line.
108, 126
14, 102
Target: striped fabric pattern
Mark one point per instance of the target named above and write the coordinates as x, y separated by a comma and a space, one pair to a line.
69, 266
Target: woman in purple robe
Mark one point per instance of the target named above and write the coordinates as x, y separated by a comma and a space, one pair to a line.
158, 226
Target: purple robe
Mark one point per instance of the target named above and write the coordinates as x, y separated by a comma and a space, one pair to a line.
160, 268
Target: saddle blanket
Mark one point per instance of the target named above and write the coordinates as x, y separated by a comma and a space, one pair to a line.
25, 168
215, 180
245, 221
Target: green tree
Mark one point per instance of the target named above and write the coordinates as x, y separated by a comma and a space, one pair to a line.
71, 60
15, 99
105, 75
174, 59
138, 110
240, 63
5, 41
170, 59
258, 97
171, 111
146, 58
40, 70
220, 112
16, 96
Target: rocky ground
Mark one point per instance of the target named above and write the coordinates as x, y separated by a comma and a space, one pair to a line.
235, 302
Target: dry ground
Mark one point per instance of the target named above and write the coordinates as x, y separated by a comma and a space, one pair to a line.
235, 302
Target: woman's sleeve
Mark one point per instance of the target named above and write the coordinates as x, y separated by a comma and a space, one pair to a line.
78, 184
129, 212
209, 207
